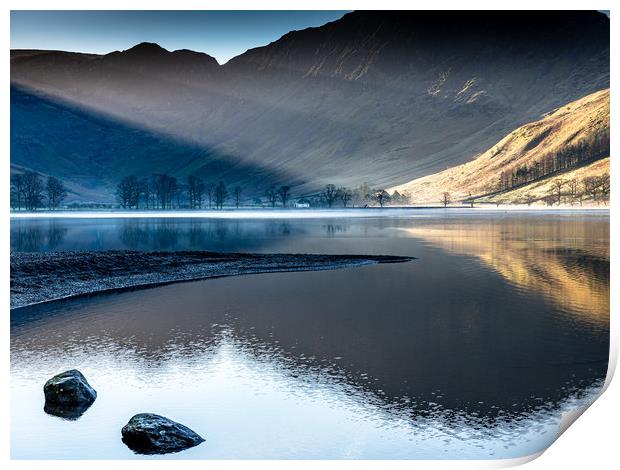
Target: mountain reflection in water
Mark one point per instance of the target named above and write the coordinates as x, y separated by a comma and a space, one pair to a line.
567, 268
471, 351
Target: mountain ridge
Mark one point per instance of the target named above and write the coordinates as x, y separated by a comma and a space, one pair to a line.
382, 97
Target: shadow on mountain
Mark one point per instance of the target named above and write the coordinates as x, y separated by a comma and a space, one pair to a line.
383, 97
114, 149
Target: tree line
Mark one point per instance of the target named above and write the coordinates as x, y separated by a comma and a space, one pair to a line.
162, 191
574, 191
362, 196
589, 149
30, 191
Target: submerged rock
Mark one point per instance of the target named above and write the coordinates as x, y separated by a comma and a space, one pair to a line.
148, 433
68, 395
69, 389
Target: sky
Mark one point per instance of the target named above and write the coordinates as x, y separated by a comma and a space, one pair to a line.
221, 34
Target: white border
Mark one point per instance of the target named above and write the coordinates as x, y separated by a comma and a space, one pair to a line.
591, 442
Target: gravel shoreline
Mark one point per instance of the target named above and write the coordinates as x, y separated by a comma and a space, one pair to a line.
43, 277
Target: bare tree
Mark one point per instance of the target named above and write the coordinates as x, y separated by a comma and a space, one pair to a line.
446, 199
382, 197
346, 195
146, 193
160, 186
357, 198
284, 194
237, 196
330, 194
191, 184
221, 193
550, 198
572, 190
604, 187
591, 187
166, 190
195, 191
210, 194
17, 191
128, 192
581, 192
272, 196
33, 190
199, 194
361, 195
123, 193
556, 188
179, 192
56, 192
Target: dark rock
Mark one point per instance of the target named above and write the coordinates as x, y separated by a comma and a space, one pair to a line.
69, 389
148, 433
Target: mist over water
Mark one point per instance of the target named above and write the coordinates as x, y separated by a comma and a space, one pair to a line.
473, 350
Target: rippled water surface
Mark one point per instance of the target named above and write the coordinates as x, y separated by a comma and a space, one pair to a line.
473, 350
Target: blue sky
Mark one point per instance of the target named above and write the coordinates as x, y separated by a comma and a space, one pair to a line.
222, 34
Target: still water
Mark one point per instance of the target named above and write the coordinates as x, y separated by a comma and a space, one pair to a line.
473, 350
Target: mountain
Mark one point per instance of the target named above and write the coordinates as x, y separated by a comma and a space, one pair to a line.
382, 97
92, 152
572, 126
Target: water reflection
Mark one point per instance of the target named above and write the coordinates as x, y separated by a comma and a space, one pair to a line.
310, 407
571, 267
334, 229
472, 362
70, 413
38, 237
160, 236
147, 234
472, 351
252, 405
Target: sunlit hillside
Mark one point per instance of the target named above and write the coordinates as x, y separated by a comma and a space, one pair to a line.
531, 146
538, 192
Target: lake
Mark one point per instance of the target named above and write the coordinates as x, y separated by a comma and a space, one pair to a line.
473, 350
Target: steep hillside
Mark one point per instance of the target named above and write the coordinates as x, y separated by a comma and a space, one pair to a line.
530, 146
383, 97
83, 148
